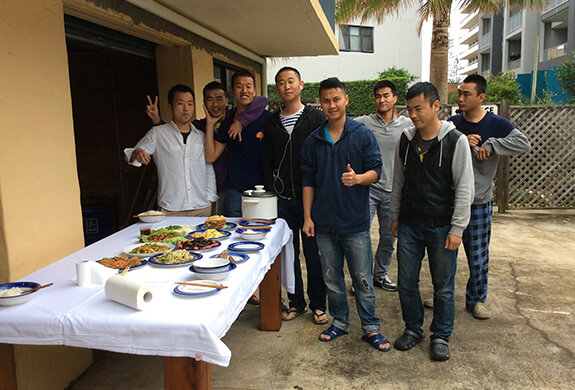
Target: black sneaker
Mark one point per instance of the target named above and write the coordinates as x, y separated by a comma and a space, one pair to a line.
385, 283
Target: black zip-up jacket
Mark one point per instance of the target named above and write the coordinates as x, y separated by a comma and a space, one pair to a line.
281, 152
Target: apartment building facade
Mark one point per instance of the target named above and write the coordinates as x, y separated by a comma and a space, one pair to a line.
518, 40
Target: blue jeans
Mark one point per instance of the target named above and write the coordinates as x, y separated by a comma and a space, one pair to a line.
233, 203
356, 247
292, 211
412, 242
379, 201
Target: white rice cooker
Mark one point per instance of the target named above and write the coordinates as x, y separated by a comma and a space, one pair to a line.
259, 203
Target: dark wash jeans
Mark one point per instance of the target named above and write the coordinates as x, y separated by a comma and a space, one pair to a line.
292, 212
412, 241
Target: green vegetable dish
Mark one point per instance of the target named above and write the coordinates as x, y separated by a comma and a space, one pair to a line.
175, 257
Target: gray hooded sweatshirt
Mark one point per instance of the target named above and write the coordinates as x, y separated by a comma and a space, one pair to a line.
462, 171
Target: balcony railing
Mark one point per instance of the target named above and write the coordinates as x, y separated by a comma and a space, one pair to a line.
514, 22
485, 40
554, 52
514, 64
550, 4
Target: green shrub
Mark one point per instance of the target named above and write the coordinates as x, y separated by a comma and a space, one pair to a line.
360, 91
503, 87
566, 74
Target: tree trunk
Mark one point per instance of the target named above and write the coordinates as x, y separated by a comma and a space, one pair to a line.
438, 68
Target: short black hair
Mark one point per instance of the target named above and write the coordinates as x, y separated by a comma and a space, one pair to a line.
211, 86
424, 88
385, 84
479, 81
285, 69
332, 82
242, 73
179, 88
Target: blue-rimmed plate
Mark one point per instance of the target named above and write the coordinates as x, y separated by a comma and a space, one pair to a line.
20, 298
225, 234
197, 291
254, 223
246, 246
237, 257
128, 250
156, 261
227, 226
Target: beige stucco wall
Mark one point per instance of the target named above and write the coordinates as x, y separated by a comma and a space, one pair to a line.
40, 215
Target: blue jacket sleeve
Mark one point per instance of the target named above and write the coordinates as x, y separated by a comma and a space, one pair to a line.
372, 156
307, 163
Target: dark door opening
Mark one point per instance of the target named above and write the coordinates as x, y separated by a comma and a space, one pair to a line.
110, 75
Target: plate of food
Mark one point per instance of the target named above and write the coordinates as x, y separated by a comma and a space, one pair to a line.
17, 292
212, 234
236, 257
147, 249
198, 244
226, 226
246, 246
168, 234
121, 262
175, 258
198, 288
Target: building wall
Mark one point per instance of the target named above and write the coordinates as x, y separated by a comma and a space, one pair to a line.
40, 215
40, 210
396, 43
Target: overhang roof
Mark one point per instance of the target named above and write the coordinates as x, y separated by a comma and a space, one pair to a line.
269, 28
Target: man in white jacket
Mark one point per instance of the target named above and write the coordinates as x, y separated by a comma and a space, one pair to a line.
186, 182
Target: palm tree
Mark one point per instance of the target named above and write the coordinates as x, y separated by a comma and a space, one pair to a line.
439, 11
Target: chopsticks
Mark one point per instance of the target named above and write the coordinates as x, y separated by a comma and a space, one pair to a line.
224, 255
254, 227
219, 287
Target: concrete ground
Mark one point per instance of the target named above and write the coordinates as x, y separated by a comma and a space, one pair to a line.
528, 343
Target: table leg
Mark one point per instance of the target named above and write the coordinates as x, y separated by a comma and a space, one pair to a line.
270, 298
184, 373
7, 368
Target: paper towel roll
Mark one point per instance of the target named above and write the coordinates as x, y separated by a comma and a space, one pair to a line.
129, 292
84, 273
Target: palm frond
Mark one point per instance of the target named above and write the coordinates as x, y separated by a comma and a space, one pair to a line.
347, 10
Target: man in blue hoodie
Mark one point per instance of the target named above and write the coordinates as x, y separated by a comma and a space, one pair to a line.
339, 161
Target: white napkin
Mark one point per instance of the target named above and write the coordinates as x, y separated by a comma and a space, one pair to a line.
101, 273
98, 273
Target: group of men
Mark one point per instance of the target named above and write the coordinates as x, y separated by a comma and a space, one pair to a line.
429, 181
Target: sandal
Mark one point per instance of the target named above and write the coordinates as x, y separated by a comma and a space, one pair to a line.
333, 332
407, 340
317, 317
290, 311
376, 341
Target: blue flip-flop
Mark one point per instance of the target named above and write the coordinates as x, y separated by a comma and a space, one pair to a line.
376, 340
333, 332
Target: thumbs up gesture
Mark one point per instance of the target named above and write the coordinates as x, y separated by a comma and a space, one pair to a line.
349, 178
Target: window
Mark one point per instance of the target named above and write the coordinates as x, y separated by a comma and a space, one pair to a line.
356, 38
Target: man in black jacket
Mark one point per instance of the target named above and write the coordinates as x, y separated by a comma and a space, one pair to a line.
284, 134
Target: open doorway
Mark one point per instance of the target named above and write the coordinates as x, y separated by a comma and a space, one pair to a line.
110, 75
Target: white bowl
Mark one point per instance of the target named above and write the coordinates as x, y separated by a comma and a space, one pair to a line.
255, 236
17, 299
151, 216
210, 263
213, 274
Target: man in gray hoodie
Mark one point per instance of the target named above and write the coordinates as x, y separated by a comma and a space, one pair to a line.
430, 206
387, 127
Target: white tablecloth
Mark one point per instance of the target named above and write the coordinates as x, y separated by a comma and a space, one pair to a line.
66, 314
